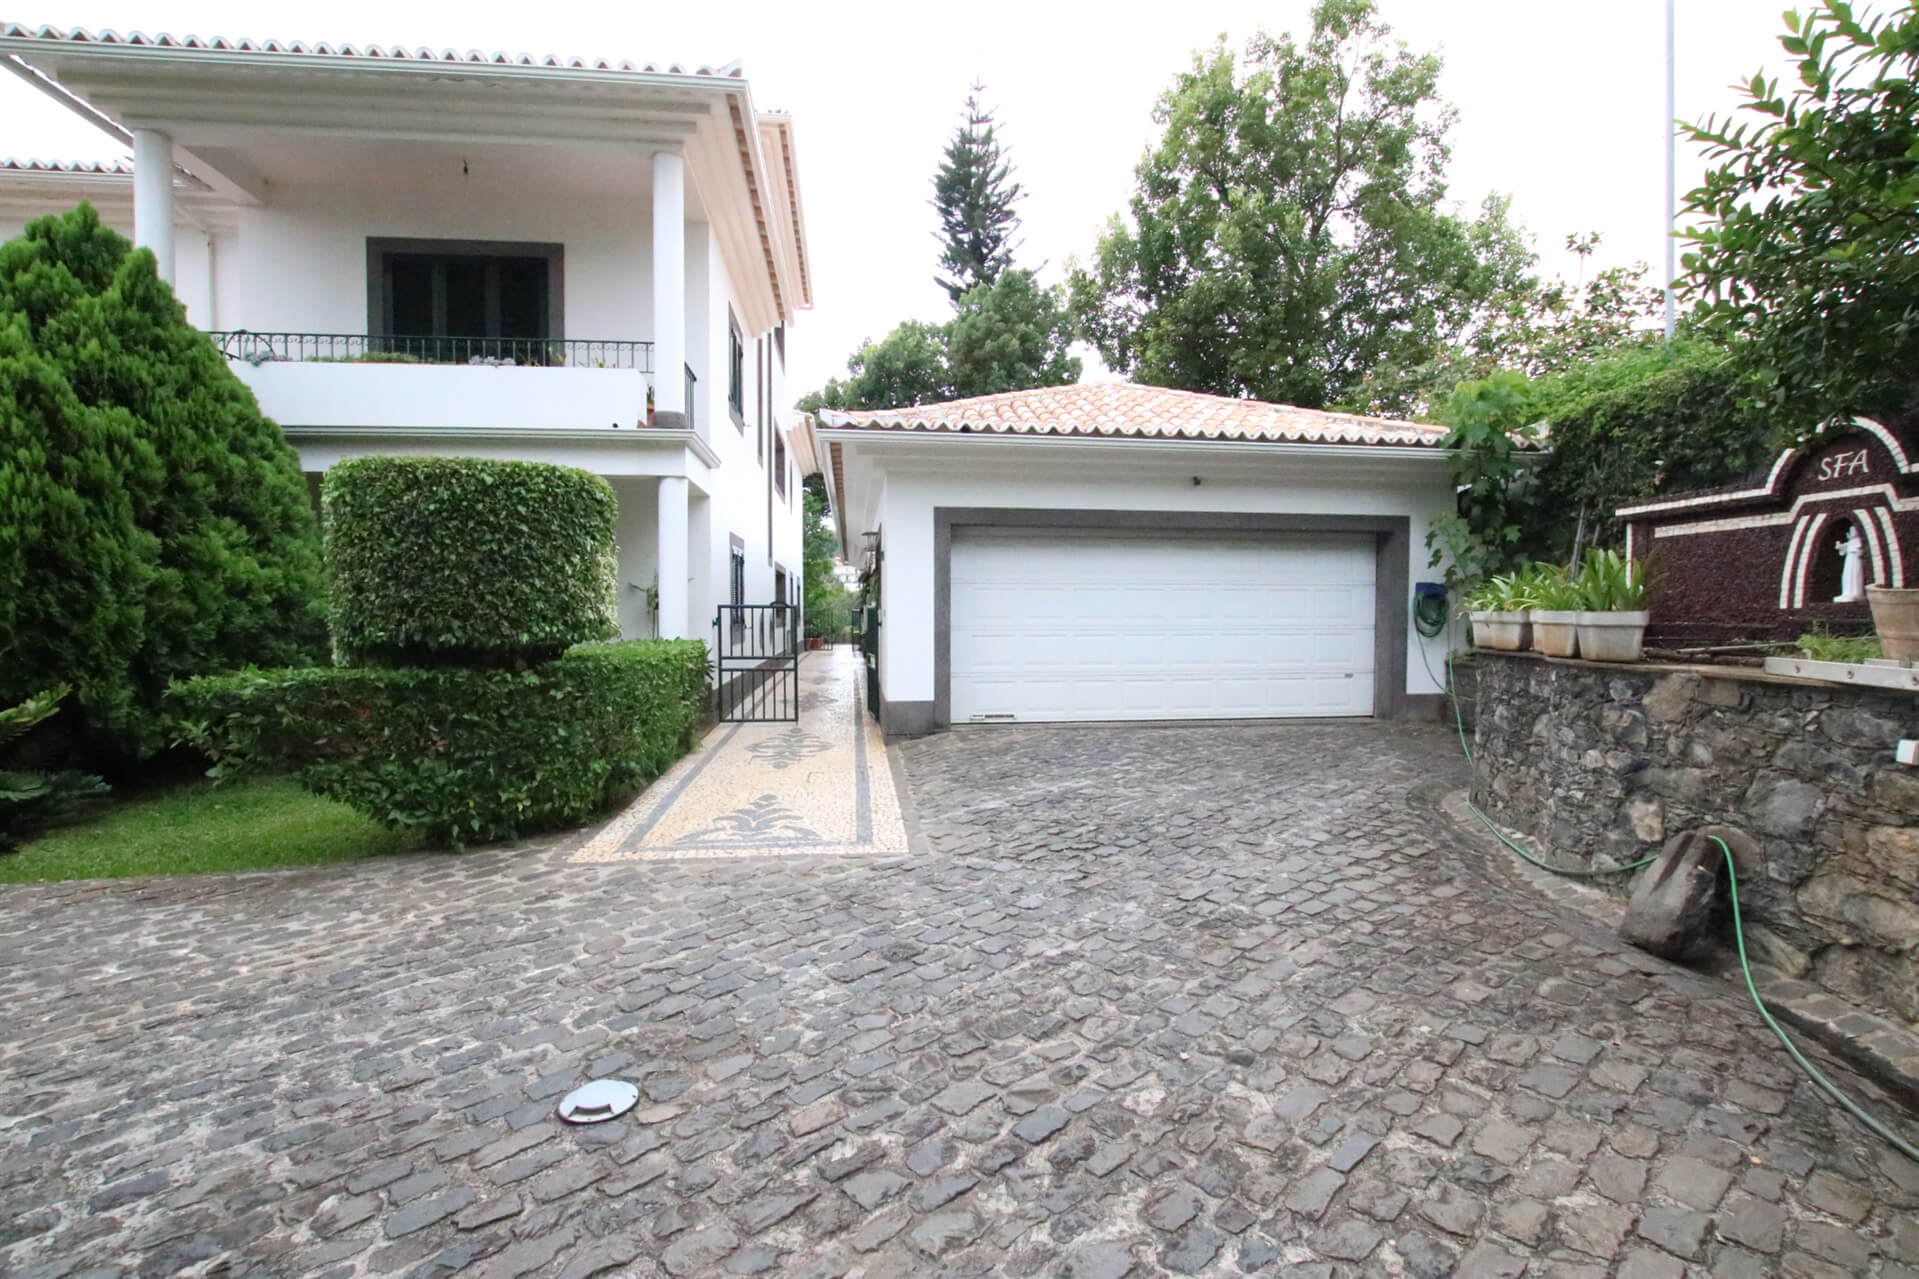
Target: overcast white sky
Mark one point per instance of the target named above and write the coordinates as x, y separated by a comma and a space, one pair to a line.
1560, 104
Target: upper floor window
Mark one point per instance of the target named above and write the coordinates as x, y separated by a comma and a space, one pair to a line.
462, 299
761, 360
736, 371
779, 341
779, 463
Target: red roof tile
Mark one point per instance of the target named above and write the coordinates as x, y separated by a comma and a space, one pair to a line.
1129, 410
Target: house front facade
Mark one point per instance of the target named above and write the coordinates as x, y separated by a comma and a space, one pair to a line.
405, 251
1121, 552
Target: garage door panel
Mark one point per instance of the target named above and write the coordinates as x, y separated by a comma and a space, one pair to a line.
1048, 627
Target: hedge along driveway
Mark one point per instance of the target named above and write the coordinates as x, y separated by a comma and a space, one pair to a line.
464, 756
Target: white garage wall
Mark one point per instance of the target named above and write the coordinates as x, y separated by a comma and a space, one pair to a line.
1123, 476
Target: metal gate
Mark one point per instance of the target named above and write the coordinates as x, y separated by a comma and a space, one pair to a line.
869, 634
758, 660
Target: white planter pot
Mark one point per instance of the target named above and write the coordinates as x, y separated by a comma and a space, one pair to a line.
1507, 631
1612, 637
1556, 631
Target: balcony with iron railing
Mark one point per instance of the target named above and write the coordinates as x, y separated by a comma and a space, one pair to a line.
368, 382
384, 348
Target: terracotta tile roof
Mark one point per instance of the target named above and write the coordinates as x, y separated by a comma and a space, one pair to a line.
101, 168
391, 53
1126, 409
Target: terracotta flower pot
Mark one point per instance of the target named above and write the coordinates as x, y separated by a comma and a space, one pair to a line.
1506, 631
1613, 637
1895, 615
1555, 632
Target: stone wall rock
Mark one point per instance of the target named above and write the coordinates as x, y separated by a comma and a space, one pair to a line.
1605, 763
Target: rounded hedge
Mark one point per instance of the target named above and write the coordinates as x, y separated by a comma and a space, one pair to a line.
466, 561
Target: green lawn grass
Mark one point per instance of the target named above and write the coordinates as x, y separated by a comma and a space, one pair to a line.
258, 824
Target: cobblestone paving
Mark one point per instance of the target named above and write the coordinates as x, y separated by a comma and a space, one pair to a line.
1160, 1000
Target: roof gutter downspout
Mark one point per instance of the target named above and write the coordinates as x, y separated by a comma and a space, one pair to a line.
66, 97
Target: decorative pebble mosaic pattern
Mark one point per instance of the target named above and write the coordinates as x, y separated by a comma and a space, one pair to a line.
821, 787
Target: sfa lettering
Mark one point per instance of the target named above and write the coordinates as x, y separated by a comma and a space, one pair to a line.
1843, 464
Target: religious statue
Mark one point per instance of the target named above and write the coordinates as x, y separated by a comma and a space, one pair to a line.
1852, 578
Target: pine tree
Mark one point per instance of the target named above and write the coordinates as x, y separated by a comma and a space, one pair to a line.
974, 193
153, 525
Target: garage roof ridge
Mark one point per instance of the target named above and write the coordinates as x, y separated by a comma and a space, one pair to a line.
1130, 410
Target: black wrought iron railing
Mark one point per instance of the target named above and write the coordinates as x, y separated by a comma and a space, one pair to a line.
378, 348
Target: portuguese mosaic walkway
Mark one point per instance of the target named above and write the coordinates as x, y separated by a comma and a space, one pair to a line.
1146, 1001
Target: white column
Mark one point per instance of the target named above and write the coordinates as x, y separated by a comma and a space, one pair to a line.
673, 566
669, 289
153, 197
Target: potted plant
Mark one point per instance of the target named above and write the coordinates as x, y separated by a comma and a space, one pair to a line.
1497, 608
1612, 603
1895, 616
1555, 611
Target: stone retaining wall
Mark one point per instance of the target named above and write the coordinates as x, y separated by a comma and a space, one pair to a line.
1602, 763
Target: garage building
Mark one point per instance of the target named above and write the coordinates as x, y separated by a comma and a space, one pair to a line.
1120, 552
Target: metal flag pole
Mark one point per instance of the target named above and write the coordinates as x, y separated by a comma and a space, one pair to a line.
1672, 191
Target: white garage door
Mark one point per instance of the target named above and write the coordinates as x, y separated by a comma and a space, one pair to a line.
1051, 626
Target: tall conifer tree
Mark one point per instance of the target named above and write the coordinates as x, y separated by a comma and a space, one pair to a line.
974, 193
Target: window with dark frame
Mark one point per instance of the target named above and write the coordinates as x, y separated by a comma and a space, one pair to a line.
736, 371
738, 583
779, 463
779, 342
458, 300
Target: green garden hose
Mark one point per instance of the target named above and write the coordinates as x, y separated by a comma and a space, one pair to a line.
1874, 1125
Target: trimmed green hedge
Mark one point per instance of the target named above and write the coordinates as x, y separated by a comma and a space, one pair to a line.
445, 561
463, 756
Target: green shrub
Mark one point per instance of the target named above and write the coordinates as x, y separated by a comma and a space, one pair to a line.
463, 756
153, 525
1639, 425
1606, 583
462, 561
33, 799
1823, 646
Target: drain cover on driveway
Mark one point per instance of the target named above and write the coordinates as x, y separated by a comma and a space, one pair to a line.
599, 1101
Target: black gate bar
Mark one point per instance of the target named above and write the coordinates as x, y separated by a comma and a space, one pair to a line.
758, 661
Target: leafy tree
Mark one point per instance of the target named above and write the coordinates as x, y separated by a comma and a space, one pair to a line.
153, 525
974, 194
1010, 336
1290, 238
1007, 337
826, 612
1491, 421
906, 367
1545, 327
1809, 247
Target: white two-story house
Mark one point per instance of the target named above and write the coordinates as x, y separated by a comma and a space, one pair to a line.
405, 251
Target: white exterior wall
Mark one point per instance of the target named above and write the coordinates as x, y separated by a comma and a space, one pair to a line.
296, 393
299, 264
1051, 477
740, 504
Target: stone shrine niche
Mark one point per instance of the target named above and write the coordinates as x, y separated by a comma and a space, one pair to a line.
1767, 560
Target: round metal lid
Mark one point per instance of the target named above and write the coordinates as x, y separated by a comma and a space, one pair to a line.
599, 1101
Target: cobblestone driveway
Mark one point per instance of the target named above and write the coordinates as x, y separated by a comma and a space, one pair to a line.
1165, 999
